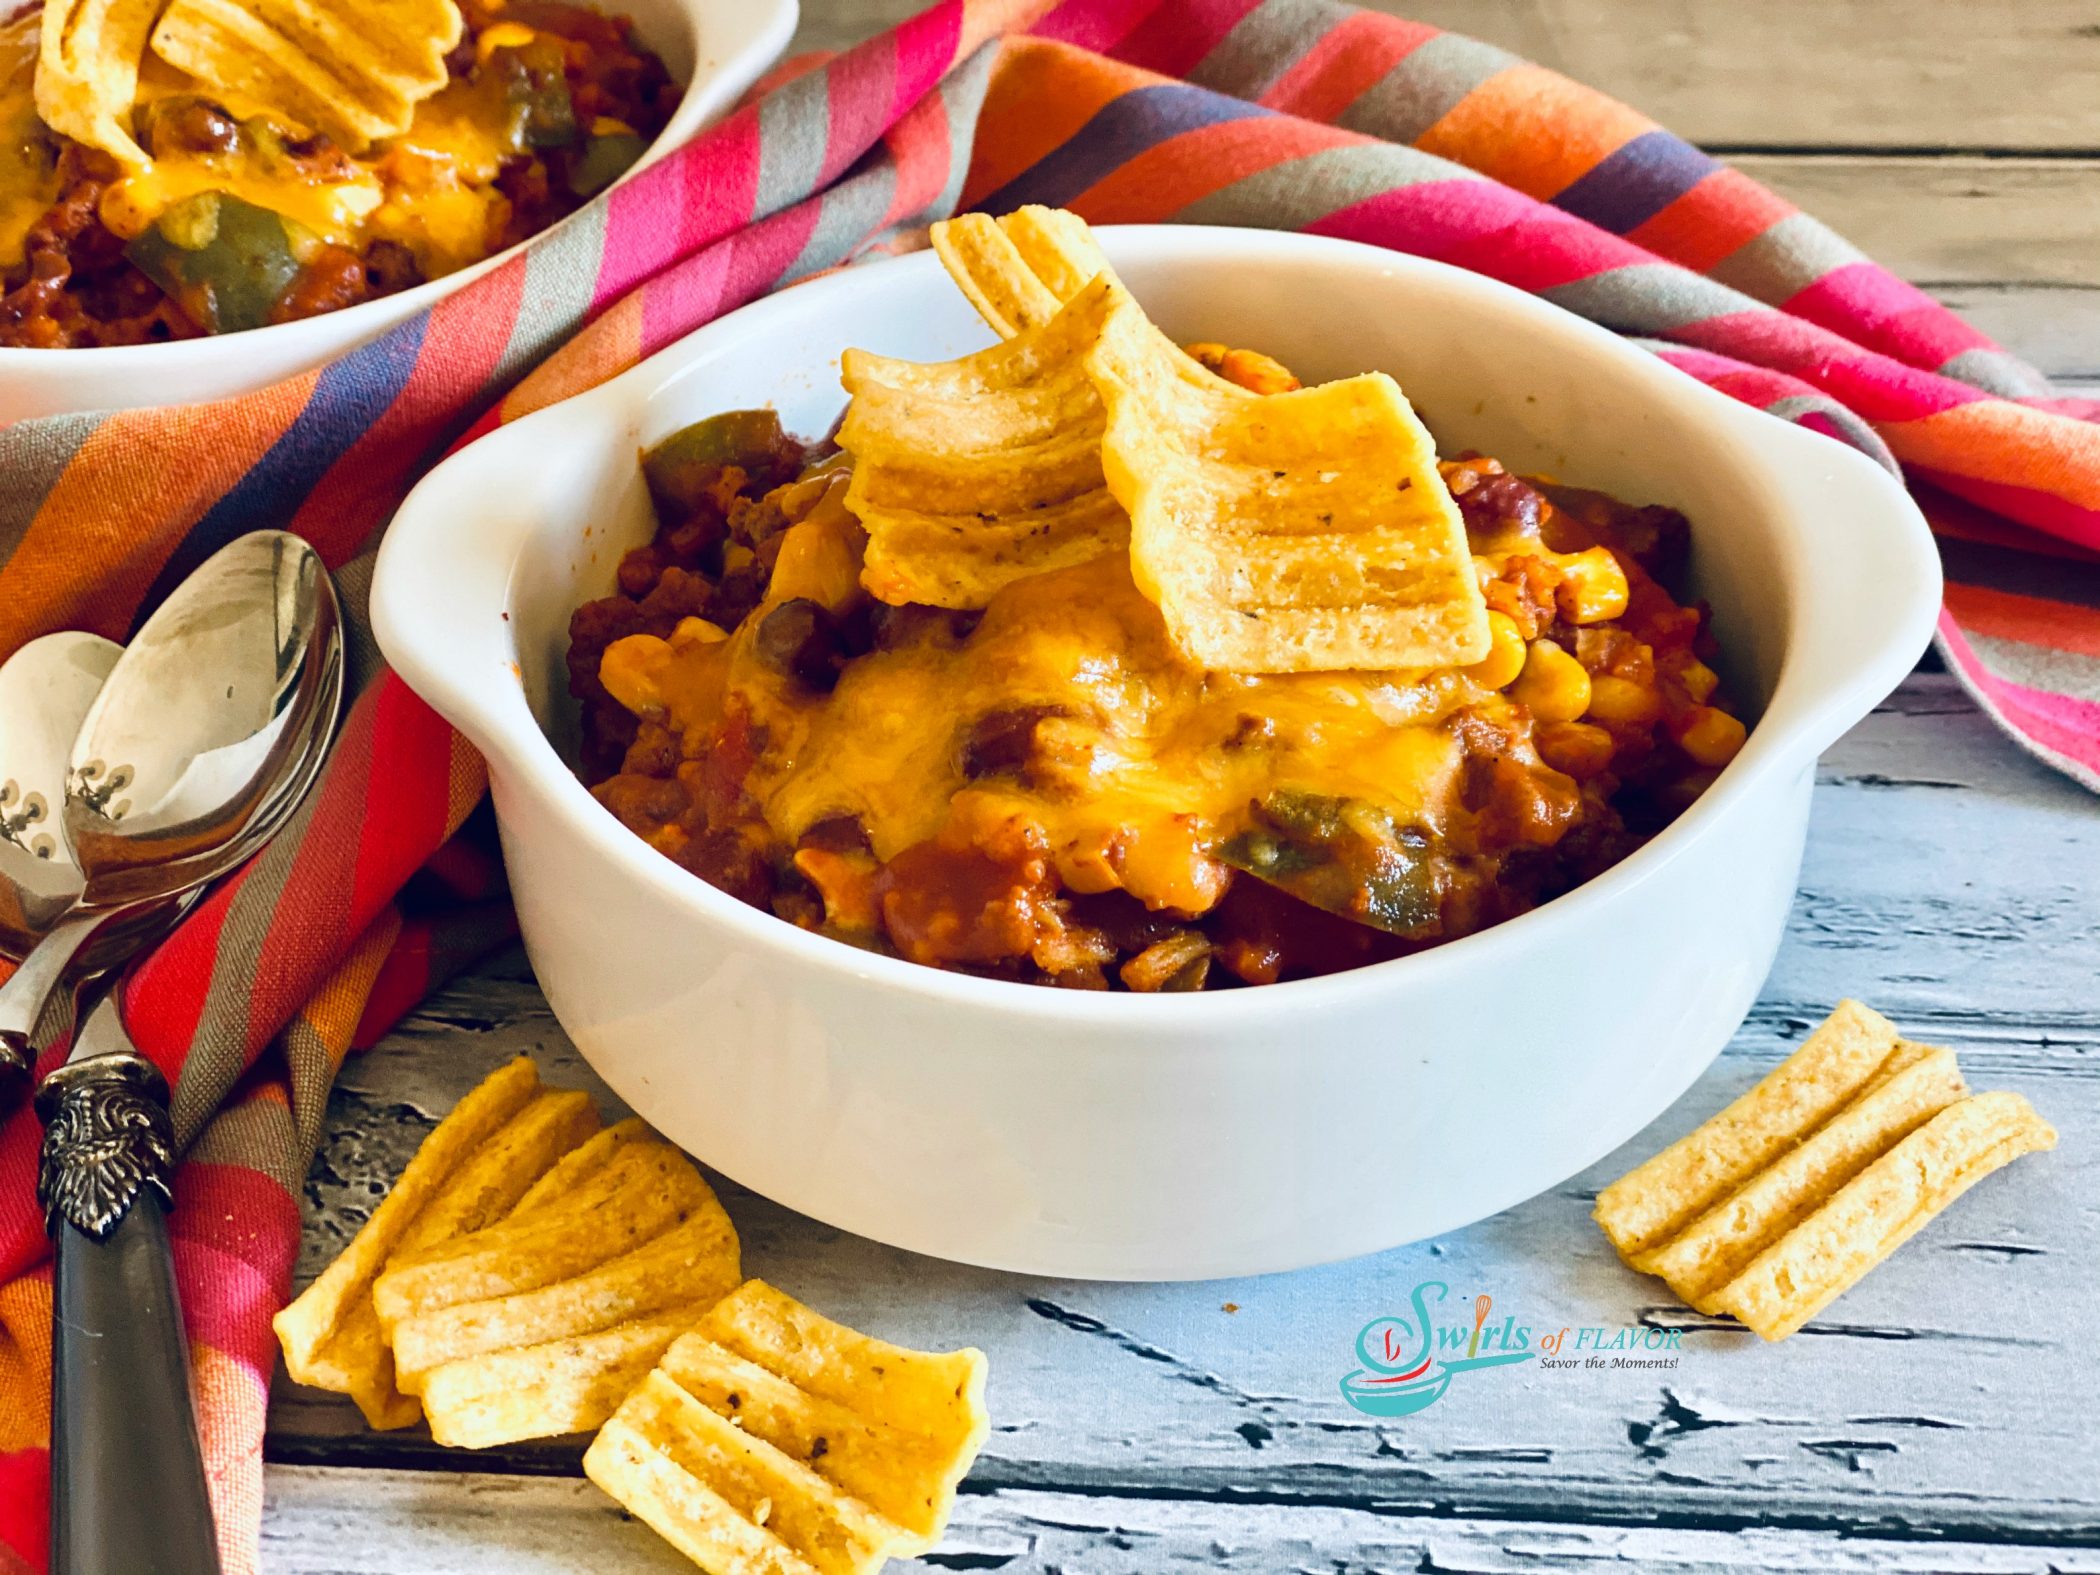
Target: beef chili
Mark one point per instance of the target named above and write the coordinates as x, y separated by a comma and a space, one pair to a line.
1044, 791
241, 222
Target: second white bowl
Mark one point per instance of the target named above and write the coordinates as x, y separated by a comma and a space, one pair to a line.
718, 48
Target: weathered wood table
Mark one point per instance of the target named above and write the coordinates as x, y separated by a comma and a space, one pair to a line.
1940, 1418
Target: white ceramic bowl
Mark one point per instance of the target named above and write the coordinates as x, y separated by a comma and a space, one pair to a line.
718, 48
1160, 1137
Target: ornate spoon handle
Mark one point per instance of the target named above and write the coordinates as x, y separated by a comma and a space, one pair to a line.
128, 1495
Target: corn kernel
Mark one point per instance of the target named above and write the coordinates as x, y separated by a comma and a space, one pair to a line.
608, 126
1623, 702
632, 669
1553, 685
504, 35
1257, 373
1574, 747
1710, 736
1592, 587
696, 631
1698, 680
1505, 659
819, 559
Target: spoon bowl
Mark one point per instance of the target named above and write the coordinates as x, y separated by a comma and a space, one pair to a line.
203, 738
206, 735
46, 688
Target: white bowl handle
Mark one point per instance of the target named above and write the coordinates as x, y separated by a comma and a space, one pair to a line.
1864, 607
442, 585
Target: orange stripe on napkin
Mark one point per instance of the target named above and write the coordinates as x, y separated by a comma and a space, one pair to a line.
1723, 212
1345, 65
2007, 615
132, 491
1533, 129
2052, 453
25, 1362
1040, 96
1171, 175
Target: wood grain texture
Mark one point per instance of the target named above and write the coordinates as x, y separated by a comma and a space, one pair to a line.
2057, 328
1948, 222
1947, 882
335, 1522
1779, 74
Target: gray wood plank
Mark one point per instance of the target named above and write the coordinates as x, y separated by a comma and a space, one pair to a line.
1947, 881
318, 1521
1952, 221
2056, 327
1783, 74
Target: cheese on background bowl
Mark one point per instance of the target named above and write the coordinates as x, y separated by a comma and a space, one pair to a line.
717, 48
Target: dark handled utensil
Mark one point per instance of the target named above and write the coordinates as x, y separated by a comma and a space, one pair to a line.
204, 738
128, 1489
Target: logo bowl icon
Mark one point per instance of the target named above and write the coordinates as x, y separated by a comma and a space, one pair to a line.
1375, 1396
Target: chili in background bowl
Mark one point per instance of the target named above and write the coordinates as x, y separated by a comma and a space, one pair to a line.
716, 48
1180, 1135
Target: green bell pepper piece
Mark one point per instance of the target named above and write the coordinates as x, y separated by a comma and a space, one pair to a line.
224, 261
604, 160
535, 92
681, 468
1342, 855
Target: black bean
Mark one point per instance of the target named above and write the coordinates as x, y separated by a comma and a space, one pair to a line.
801, 640
1002, 743
837, 834
185, 123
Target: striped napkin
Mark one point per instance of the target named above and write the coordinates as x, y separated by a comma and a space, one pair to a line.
1284, 113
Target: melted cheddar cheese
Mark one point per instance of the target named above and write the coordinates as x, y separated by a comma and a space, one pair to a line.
334, 210
441, 201
431, 188
28, 157
1140, 765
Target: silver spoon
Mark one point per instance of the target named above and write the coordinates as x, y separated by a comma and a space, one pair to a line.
46, 688
222, 717
205, 737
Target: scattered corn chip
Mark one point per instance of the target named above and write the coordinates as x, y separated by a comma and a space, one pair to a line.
355, 69
542, 1391
1715, 1247
1298, 532
582, 1162
989, 269
1659, 1198
771, 1441
1782, 1202
1019, 271
970, 474
472, 1169
537, 1324
87, 71
1057, 247
1880, 1209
